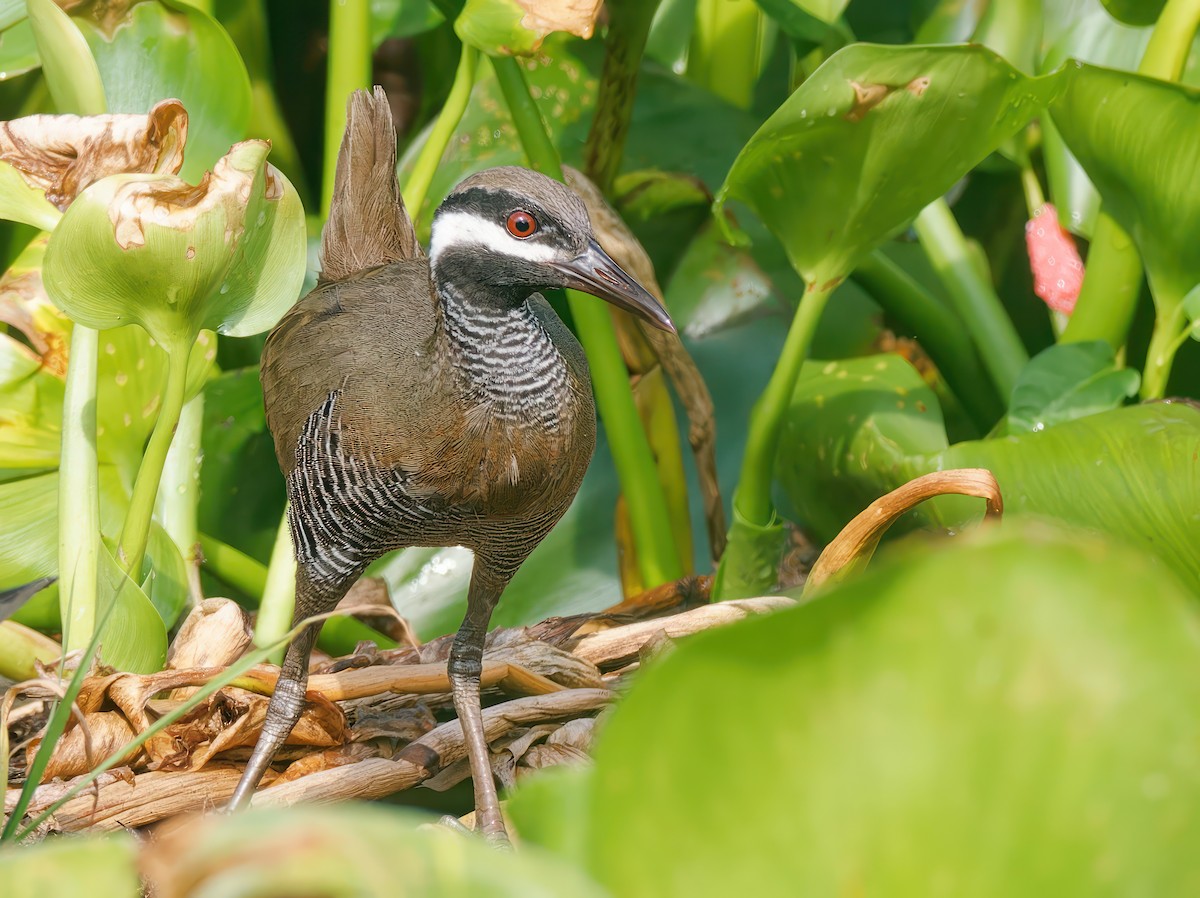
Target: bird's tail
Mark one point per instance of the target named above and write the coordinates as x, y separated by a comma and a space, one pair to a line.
368, 224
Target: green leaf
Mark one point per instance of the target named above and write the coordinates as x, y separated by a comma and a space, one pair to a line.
1129, 472
134, 637
68, 64
402, 18
1191, 308
74, 865
518, 27
193, 60
1068, 381
873, 136
227, 255
1135, 12
854, 426
716, 286
18, 49
1133, 137
352, 849
551, 808
986, 717
1100, 39
23, 203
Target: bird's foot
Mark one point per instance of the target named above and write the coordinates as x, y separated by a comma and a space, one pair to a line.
495, 837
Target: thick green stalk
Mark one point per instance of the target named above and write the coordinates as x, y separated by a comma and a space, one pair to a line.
1170, 332
136, 530
648, 514
753, 497
79, 494
623, 48
430, 156
973, 296
939, 332
279, 592
179, 490
1113, 279
724, 53
234, 567
1111, 283
349, 70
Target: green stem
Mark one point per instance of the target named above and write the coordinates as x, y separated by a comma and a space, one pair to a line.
79, 494
349, 70
1113, 279
624, 44
724, 53
1170, 332
136, 531
279, 592
1171, 42
430, 156
1034, 198
937, 329
535, 138
753, 497
233, 567
648, 513
973, 296
179, 490
1111, 283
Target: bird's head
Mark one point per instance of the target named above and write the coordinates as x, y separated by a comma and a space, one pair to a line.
513, 232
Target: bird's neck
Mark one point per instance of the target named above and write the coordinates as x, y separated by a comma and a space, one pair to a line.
504, 353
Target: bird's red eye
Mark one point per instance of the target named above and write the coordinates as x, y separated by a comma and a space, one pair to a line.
521, 224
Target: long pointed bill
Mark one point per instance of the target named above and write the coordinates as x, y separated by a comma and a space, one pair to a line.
594, 272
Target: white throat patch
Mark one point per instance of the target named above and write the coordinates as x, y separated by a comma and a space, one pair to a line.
462, 229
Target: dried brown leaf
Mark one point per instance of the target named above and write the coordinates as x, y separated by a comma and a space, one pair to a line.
62, 155
215, 634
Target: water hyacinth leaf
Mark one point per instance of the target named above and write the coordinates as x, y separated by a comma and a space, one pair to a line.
20, 202
873, 136
1129, 472
75, 865
134, 637
47, 160
350, 849
897, 712
68, 64
1100, 39
716, 286
853, 427
194, 60
518, 27
1135, 12
1068, 381
402, 18
1133, 136
18, 49
226, 255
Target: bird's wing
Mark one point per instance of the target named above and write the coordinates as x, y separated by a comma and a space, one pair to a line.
368, 225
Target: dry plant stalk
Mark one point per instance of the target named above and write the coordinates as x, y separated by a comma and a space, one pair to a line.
392, 744
854, 546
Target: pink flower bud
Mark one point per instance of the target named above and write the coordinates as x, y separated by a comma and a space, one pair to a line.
1057, 268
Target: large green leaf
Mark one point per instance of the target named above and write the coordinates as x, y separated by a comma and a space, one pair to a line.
349, 850
1135, 12
74, 865
193, 60
873, 136
1134, 137
1100, 39
1005, 715
1130, 472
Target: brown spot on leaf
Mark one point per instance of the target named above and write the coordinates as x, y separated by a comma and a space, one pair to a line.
917, 86
866, 98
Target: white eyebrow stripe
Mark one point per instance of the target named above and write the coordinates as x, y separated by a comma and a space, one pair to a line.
459, 229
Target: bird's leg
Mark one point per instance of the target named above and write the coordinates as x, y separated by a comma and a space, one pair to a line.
464, 667
282, 713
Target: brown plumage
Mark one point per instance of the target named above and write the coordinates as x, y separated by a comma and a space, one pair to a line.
434, 402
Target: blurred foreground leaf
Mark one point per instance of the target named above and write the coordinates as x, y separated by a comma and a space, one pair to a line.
991, 717
73, 865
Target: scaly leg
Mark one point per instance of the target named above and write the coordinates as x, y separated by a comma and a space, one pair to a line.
282, 713
464, 667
